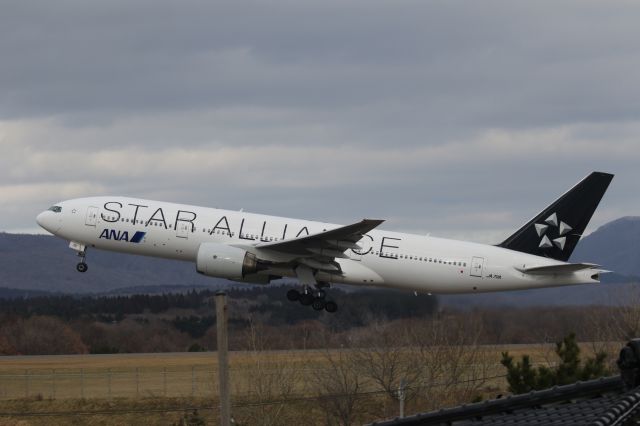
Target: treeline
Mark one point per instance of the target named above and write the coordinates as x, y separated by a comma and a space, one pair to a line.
269, 303
186, 321
71, 307
181, 322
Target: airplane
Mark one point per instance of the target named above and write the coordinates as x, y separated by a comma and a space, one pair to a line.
257, 249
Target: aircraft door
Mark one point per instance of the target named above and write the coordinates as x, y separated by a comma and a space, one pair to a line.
92, 216
183, 229
477, 264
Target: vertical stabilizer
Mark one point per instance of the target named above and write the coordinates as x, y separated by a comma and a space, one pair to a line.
556, 230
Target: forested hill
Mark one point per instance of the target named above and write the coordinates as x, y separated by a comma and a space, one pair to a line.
45, 263
42, 262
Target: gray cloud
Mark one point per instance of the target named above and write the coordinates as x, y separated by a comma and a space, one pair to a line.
462, 118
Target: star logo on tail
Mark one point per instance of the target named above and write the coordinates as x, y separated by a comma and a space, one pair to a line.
543, 229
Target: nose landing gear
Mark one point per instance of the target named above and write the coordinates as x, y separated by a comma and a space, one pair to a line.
82, 266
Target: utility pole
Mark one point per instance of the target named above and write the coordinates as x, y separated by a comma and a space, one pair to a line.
222, 315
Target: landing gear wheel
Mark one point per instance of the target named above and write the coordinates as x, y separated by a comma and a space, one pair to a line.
293, 295
330, 306
82, 267
306, 299
318, 304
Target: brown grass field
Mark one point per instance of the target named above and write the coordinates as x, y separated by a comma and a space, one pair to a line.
161, 388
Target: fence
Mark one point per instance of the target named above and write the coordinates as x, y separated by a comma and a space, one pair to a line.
199, 381
135, 382
142, 382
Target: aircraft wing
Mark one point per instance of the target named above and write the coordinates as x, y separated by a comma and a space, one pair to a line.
318, 252
332, 243
563, 268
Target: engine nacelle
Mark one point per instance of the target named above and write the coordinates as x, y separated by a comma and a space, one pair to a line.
221, 260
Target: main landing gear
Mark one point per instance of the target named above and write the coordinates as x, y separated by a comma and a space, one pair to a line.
82, 266
316, 299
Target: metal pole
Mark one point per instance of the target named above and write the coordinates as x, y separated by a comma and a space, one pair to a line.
193, 380
53, 383
164, 381
401, 396
223, 361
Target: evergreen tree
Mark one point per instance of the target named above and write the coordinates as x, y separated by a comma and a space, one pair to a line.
523, 377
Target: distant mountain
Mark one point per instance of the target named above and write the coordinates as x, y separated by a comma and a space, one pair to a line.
14, 293
42, 262
615, 246
45, 263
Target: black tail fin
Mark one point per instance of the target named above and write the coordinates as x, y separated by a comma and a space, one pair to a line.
557, 229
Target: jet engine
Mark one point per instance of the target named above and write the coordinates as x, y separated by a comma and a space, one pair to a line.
223, 261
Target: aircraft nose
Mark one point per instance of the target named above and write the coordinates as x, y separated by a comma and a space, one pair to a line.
41, 219
48, 221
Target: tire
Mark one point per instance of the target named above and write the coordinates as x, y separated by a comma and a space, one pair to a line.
82, 267
331, 306
293, 295
306, 299
318, 304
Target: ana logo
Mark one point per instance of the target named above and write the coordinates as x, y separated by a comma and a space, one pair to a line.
112, 234
561, 228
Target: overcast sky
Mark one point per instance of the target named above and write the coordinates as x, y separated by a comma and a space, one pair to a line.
455, 118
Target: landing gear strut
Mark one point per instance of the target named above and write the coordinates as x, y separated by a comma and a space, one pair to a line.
82, 266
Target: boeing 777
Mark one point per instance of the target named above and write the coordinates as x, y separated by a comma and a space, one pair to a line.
257, 249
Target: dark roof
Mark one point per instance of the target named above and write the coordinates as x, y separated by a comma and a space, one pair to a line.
599, 402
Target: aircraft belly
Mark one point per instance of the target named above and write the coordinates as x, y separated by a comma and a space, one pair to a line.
353, 272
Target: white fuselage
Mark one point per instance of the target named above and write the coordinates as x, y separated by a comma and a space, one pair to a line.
389, 259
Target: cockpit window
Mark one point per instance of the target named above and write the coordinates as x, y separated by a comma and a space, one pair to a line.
55, 209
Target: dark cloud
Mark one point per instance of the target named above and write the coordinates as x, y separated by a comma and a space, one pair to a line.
435, 64
418, 111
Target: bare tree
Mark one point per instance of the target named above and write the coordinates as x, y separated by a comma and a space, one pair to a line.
40, 335
338, 385
269, 382
455, 365
385, 357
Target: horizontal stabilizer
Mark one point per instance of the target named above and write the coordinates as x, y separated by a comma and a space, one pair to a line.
562, 268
